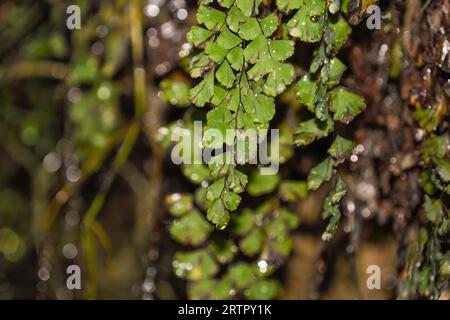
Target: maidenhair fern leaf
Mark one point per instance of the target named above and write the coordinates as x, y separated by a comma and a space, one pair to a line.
345, 104
321, 173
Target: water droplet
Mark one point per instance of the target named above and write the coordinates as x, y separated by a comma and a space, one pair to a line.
72, 218
70, 251
263, 266
73, 173
101, 31
182, 14
151, 10
43, 274
74, 95
52, 162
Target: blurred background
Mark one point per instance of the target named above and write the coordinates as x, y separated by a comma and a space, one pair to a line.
83, 172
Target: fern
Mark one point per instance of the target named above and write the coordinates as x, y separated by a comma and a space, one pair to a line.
320, 91
240, 55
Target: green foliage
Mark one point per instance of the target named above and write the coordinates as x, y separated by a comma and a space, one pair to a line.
341, 148
428, 263
331, 208
429, 266
245, 69
240, 57
345, 105
66, 124
175, 92
262, 233
262, 184
199, 229
321, 173
320, 92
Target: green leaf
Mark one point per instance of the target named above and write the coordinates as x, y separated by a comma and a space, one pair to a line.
213, 19
179, 204
332, 202
280, 243
319, 58
225, 75
257, 50
269, 25
252, 243
215, 190
433, 209
292, 220
196, 173
311, 130
337, 69
215, 52
332, 225
281, 50
260, 69
243, 222
201, 290
249, 7
345, 104
307, 22
192, 229
233, 100
279, 78
234, 18
198, 36
321, 103
222, 249
263, 290
262, 184
341, 29
217, 165
200, 64
200, 198
338, 192
203, 92
293, 190
218, 215
341, 148
443, 168
175, 92
288, 5
236, 58
220, 119
219, 95
426, 183
194, 265
319, 174
231, 200
223, 290
331, 208
227, 39
435, 146
250, 29
286, 142
261, 106
210, 290
237, 181
306, 90
241, 274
